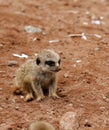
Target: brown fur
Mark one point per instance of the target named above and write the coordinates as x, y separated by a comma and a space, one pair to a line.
37, 74
41, 125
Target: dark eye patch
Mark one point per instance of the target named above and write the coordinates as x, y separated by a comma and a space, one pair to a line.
59, 61
50, 63
38, 61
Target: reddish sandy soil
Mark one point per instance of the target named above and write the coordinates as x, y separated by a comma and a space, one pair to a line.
84, 79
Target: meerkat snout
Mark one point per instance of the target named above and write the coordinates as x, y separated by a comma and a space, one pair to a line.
38, 74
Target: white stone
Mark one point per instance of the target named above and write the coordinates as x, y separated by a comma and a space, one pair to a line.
69, 121
21, 56
32, 29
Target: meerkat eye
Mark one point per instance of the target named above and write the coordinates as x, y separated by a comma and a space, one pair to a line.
38, 61
59, 61
50, 63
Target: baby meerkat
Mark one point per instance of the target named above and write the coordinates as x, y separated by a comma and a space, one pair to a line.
41, 125
38, 74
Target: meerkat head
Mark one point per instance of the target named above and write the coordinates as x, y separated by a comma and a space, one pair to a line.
48, 60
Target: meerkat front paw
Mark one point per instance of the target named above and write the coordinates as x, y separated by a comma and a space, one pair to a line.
54, 96
39, 98
28, 97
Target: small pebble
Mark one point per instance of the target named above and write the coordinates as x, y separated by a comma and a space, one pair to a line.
75, 35
2, 71
66, 75
12, 63
97, 48
1, 89
74, 65
84, 36
87, 12
1, 45
54, 41
96, 22
104, 97
78, 61
97, 35
73, 11
32, 29
1, 108
101, 17
17, 108
36, 39
102, 108
85, 23
21, 97
70, 105
35, 54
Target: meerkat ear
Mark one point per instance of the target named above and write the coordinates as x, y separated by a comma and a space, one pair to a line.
38, 61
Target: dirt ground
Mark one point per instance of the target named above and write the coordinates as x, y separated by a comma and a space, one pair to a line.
79, 31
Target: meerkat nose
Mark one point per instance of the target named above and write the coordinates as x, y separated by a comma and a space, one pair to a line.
58, 69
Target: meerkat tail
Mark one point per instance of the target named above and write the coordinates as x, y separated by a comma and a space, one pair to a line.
41, 125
